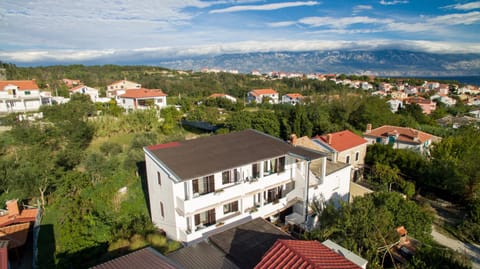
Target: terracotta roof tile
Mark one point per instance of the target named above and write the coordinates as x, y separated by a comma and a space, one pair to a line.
342, 140
258, 92
21, 84
143, 93
303, 254
294, 95
405, 134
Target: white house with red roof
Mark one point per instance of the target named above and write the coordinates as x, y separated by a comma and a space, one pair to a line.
292, 98
258, 96
400, 137
133, 99
85, 90
121, 86
223, 95
20, 96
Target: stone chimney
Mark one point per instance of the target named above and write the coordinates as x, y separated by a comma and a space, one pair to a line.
293, 139
369, 128
329, 139
12, 207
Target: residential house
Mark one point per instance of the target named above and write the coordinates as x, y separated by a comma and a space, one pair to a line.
258, 96
443, 89
196, 186
442, 98
223, 95
427, 105
85, 90
134, 99
20, 96
386, 87
71, 82
400, 137
366, 86
304, 254
292, 98
395, 105
398, 95
121, 86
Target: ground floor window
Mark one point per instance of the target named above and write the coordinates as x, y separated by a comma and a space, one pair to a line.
206, 218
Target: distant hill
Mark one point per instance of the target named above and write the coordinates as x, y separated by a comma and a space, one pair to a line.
381, 62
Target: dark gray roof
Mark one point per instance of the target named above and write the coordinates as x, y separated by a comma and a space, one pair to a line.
203, 156
201, 256
247, 243
146, 258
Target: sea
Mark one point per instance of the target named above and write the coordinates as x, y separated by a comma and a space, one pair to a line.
468, 80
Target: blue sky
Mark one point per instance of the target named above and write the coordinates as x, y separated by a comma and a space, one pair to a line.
83, 31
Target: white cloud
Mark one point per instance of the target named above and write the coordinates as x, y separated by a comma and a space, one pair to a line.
281, 23
359, 8
394, 2
467, 6
265, 7
457, 18
341, 22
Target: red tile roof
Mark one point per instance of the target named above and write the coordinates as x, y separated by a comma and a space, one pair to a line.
21, 84
303, 254
215, 95
143, 93
342, 140
405, 134
258, 92
294, 95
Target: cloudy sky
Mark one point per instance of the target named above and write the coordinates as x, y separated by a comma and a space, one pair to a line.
88, 31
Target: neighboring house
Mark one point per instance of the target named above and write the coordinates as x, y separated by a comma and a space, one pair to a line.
292, 98
475, 113
395, 105
398, 95
448, 101
258, 96
71, 82
400, 137
20, 96
427, 105
223, 95
121, 86
198, 185
146, 258
304, 254
456, 122
134, 99
83, 89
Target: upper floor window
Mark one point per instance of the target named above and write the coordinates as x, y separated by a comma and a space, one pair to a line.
256, 170
347, 159
205, 218
204, 185
357, 156
226, 177
230, 207
161, 210
159, 179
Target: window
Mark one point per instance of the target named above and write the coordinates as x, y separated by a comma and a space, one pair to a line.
159, 179
255, 170
206, 218
161, 210
27, 92
272, 195
204, 185
357, 156
347, 159
280, 165
230, 207
236, 175
226, 177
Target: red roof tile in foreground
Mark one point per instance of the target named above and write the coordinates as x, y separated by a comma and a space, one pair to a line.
22, 85
342, 140
405, 134
143, 93
258, 92
303, 254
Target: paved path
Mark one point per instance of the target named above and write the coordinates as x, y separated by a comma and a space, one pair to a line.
471, 250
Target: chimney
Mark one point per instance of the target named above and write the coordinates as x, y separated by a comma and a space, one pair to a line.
329, 139
369, 128
4, 254
12, 207
293, 139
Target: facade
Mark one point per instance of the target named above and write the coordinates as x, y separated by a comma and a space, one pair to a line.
121, 86
83, 89
427, 105
19, 96
257, 95
395, 104
133, 99
71, 82
223, 95
400, 137
196, 186
292, 98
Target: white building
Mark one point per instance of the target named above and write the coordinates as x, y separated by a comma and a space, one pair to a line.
83, 89
19, 96
198, 185
223, 95
119, 86
258, 95
133, 99
292, 98
395, 104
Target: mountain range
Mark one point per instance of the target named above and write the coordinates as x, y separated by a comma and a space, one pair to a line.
379, 62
